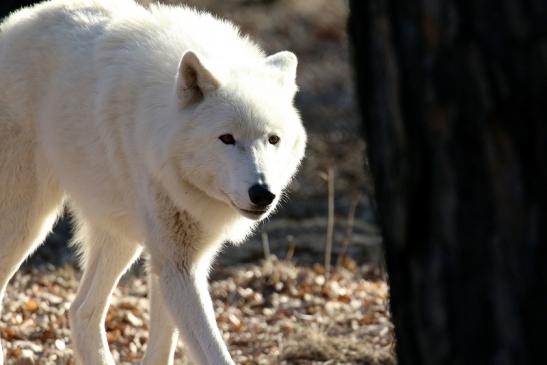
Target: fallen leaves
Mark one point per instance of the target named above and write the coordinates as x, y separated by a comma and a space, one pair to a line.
272, 313
31, 306
277, 302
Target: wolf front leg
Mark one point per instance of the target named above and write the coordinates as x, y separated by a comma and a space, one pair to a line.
106, 259
186, 295
163, 335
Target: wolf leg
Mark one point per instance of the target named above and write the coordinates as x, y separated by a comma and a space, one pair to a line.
30, 200
163, 336
187, 297
163, 333
18, 240
106, 258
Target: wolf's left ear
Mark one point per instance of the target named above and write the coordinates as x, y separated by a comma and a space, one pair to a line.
194, 80
286, 63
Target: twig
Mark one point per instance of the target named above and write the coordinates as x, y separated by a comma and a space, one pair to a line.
330, 219
291, 248
266, 245
348, 237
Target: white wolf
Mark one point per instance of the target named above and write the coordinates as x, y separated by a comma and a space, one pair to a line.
165, 129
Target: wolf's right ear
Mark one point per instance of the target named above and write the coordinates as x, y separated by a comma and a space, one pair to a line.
285, 63
194, 80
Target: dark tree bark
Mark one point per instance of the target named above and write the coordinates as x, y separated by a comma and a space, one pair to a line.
454, 102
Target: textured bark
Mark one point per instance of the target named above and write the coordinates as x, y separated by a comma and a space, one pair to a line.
454, 102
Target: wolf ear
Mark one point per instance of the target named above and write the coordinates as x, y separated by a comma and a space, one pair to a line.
286, 63
194, 80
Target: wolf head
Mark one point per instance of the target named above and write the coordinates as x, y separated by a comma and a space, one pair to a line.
242, 139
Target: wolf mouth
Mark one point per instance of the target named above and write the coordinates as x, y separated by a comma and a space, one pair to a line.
256, 212
253, 214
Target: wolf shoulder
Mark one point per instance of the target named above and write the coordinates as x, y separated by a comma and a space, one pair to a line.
75, 25
79, 41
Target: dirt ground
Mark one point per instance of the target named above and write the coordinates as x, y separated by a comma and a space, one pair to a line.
270, 311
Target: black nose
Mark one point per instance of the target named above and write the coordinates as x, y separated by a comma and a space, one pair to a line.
261, 196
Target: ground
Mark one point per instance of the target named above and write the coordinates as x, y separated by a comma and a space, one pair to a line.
270, 311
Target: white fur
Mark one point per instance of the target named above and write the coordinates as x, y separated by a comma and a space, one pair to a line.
118, 109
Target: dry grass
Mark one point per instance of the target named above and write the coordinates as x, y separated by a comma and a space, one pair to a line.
318, 346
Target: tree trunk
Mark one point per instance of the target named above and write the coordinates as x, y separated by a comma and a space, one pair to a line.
454, 101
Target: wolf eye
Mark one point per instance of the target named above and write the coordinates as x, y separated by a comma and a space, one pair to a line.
227, 139
273, 139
